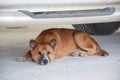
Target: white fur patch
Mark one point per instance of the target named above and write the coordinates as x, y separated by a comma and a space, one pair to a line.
76, 53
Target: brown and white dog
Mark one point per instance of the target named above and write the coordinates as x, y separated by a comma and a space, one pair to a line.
56, 43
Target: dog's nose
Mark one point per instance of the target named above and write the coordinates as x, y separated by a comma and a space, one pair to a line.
45, 61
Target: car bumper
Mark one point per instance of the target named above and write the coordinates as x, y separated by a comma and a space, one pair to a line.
10, 15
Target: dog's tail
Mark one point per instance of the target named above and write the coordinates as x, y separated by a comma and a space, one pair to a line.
102, 52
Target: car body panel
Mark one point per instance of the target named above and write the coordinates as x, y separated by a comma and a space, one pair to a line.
9, 11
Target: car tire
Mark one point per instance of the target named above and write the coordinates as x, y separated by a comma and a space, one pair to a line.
98, 28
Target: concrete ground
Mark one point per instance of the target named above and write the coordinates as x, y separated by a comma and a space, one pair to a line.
15, 42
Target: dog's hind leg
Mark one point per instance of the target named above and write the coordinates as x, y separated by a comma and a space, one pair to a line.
81, 52
26, 56
88, 53
85, 43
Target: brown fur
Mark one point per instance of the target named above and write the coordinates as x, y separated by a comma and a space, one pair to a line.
67, 40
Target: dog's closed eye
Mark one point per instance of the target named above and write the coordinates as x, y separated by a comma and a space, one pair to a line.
48, 52
39, 52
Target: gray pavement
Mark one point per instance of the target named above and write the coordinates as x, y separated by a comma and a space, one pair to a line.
15, 42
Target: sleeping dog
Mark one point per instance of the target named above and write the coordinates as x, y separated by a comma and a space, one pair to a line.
56, 43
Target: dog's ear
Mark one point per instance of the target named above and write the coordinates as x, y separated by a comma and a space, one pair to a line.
53, 43
33, 43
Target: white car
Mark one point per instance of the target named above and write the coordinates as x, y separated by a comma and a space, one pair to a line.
92, 16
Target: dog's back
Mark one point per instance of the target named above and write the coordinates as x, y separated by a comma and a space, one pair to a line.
64, 39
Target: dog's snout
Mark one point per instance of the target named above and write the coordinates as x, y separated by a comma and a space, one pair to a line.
45, 61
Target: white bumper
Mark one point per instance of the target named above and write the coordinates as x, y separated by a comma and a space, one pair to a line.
10, 16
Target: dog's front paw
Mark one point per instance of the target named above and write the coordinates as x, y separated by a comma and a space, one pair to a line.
21, 59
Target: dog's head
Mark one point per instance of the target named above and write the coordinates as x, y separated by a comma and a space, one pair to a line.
42, 53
